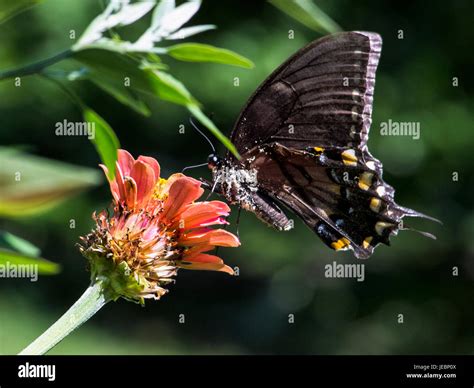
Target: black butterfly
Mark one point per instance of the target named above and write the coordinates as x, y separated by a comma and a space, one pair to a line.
303, 137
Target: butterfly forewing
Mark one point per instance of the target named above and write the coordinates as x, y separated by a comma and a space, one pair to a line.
322, 96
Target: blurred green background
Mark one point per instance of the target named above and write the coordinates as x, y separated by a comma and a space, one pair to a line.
280, 273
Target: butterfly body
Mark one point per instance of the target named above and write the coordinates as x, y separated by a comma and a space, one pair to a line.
238, 184
302, 138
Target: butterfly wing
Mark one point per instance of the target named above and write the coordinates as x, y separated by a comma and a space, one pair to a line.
348, 205
321, 96
305, 132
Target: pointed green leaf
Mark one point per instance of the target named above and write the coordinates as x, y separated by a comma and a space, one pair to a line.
104, 140
117, 75
10, 8
113, 68
121, 93
169, 88
203, 119
149, 80
14, 243
197, 52
31, 184
307, 13
45, 267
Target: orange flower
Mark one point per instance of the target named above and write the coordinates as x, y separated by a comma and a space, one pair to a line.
134, 180
156, 228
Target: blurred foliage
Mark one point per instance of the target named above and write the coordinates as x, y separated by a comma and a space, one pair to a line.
196, 52
31, 184
307, 13
280, 273
16, 251
138, 58
10, 8
11, 258
104, 140
15, 243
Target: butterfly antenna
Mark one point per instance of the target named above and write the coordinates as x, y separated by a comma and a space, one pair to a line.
202, 134
205, 137
194, 166
238, 222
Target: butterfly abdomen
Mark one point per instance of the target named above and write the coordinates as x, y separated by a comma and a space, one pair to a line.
239, 186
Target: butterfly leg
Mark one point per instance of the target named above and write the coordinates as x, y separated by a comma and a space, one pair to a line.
212, 187
237, 222
205, 184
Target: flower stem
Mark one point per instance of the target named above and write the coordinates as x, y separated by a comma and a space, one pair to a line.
91, 301
36, 67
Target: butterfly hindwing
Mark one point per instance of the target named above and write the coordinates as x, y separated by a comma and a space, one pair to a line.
338, 192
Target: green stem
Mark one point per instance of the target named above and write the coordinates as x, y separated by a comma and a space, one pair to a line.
36, 67
86, 306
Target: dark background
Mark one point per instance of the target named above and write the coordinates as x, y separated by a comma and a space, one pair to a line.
280, 273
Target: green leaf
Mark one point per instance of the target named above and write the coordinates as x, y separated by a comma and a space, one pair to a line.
203, 119
31, 184
169, 88
307, 13
197, 52
104, 140
112, 73
45, 267
11, 242
11, 8
112, 68
121, 93
149, 80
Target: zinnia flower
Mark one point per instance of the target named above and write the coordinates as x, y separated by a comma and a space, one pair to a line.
156, 228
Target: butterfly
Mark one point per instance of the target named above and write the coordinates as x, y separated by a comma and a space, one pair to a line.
302, 137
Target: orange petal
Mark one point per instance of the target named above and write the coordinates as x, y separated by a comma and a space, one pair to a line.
112, 183
153, 163
193, 251
207, 236
144, 177
182, 191
203, 258
175, 177
119, 178
125, 162
206, 267
170, 181
204, 214
130, 189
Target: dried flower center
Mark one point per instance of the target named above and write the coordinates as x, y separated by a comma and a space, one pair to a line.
141, 241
